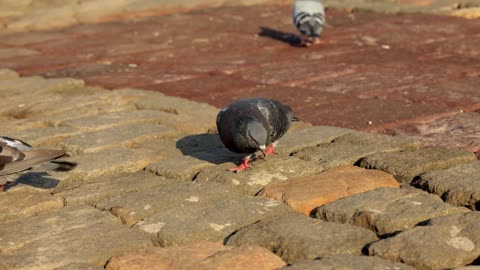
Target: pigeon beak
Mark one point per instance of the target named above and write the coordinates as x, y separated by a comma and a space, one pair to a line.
262, 149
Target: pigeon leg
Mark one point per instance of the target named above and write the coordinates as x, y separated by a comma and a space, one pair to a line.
242, 166
305, 42
270, 150
3, 186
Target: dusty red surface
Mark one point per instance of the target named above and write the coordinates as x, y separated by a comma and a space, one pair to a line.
373, 72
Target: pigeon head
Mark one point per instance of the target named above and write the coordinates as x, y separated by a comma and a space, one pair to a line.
257, 135
311, 28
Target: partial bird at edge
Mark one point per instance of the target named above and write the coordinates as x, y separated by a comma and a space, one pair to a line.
17, 156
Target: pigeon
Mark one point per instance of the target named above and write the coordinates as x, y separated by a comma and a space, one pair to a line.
309, 18
253, 124
17, 156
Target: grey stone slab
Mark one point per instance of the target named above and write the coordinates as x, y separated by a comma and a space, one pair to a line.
387, 210
47, 112
187, 111
23, 204
205, 142
105, 187
118, 118
73, 234
213, 221
352, 147
95, 141
186, 167
446, 242
28, 85
105, 163
43, 137
181, 168
459, 185
79, 266
406, 165
296, 140
275, 169
295, 237
348, 262
7, 74
135, 206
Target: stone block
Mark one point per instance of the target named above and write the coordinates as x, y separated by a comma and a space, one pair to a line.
446, 242
80, 234
105, 163
95, 141
274, 169
295, 237
105, 187
135, 206
214, 221
26, 203
304, 194
387, 210
408, 164
348, 262
7, 74
459, 185
352, 147
296, 140
200, 255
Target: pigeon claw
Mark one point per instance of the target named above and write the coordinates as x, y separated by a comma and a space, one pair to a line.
242, 166
270, 150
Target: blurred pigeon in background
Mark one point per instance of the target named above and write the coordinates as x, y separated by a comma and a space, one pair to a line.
309, 18
253, 124
17, 156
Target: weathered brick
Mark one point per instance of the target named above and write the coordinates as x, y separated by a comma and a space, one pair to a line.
459, 185
105, 187
95, 141
304, 194
274, 169
406, 165
201, 255
352, 147
387, 210
23, 204
136, 206
74, 234
446, 242
295, 237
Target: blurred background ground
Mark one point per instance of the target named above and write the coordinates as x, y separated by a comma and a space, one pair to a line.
395, 67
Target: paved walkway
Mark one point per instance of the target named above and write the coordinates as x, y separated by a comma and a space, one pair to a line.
402, 78
152, 189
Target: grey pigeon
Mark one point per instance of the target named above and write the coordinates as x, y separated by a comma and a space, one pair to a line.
309, 18
17, 156
253, 124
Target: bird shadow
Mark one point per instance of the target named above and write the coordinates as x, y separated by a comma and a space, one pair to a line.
289, 38
207, 147
34, 179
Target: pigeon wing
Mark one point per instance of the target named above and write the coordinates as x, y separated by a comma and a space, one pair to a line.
13, 160
279, 117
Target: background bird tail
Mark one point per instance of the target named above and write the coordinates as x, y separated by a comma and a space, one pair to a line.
296, 119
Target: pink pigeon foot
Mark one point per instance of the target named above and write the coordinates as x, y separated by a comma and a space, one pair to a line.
242, 166
270, 150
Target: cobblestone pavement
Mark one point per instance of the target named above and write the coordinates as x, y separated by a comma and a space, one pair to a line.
416, 75
152, 189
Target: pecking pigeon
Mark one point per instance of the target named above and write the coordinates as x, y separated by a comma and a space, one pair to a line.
253, 124
309, 18
17, 156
